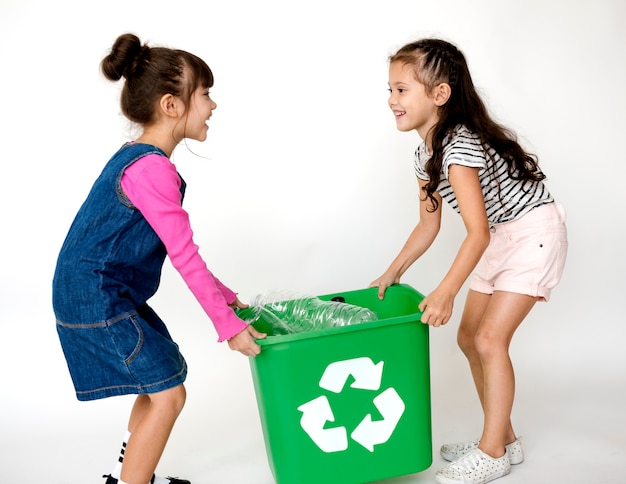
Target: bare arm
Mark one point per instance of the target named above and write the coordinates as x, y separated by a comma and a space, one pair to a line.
417, 244
437, 306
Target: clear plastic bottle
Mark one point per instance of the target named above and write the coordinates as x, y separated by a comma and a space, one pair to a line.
291, 312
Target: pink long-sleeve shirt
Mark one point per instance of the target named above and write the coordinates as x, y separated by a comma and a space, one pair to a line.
152, 184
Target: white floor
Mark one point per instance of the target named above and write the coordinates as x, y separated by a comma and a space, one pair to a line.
572, 432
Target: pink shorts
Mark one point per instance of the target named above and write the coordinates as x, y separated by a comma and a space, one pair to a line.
525, 256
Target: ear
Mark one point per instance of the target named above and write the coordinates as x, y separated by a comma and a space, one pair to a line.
169, 105
442, 93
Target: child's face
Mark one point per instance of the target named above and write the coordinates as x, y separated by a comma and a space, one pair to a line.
200, 110
411, 103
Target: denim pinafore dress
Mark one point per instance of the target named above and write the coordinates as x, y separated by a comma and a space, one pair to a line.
108, 267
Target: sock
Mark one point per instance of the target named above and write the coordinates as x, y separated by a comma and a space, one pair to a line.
156, 481
161, 480
118, 466
165, 481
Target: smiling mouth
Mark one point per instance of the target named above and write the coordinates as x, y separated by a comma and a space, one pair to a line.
399, 114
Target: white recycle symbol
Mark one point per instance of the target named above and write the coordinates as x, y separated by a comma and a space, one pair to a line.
368, 433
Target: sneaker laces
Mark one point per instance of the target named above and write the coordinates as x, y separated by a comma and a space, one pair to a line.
468, 446
467, 464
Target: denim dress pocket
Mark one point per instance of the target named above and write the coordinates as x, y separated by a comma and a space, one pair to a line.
127, 337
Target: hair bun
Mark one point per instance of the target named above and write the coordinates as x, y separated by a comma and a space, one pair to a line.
123, 58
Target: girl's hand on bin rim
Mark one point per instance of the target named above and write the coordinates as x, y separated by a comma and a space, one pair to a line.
244, 341
436, 308
382, 283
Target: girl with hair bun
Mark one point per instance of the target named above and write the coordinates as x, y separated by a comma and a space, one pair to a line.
110, 263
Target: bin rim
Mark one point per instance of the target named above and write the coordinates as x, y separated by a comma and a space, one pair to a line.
322, 333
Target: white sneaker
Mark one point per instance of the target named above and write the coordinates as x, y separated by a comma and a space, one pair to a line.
452, 452
475, 467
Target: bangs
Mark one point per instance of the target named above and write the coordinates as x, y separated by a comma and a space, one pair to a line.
200, 73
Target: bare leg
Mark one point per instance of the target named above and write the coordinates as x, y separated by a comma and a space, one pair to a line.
485, 334
141, 406
475, 306
151, 422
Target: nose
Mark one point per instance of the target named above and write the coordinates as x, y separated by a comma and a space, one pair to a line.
392, 98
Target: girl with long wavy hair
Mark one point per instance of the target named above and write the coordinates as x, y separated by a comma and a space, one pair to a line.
514, 250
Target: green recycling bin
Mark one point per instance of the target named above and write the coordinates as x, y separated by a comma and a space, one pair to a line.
348, 405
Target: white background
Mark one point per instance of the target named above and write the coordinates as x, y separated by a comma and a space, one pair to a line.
305, 184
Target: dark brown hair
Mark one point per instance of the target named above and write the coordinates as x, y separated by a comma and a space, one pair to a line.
436, 61
150, 73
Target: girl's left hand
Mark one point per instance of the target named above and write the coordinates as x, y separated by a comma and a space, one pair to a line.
436, 308
244, 341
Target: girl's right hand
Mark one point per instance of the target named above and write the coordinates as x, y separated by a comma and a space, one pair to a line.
244, 341
382, 283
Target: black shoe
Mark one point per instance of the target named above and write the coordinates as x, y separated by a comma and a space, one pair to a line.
173, 480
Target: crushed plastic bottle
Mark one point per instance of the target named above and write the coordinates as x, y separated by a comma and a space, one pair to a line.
290, 312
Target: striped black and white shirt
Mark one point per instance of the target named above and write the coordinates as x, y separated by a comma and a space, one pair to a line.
506, 199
